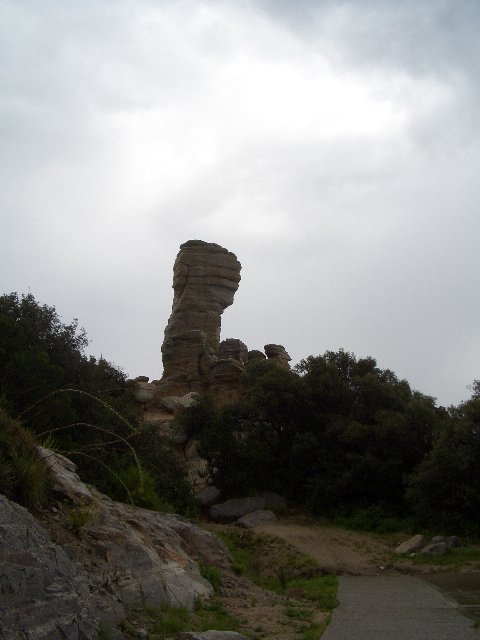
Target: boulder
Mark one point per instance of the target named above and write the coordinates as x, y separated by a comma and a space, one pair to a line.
450, 541
144, 391
277, 353
235, 508
64, 477
251, 520
434, 549
173, 403
413, 545
233, 349
209, 496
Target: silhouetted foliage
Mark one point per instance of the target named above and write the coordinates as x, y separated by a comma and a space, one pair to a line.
84, 406
445, 488
336, 433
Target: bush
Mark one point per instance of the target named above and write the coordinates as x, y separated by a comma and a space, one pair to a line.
85, 408
336, 432
444, 490
24, 476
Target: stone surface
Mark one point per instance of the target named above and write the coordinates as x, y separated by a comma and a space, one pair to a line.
277, 353
122, 557
251, 520
173, 403
65, 479
434, 549
225, 380
41, 594
413, 545
450, 541
209, 496
205, 279
211, 635
144, 391
235, 508
233, 349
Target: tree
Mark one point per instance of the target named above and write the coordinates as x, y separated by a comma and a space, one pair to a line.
444, 490
337, 432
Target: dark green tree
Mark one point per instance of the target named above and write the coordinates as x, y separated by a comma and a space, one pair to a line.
444, 490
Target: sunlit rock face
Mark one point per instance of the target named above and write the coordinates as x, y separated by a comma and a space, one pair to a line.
205, 279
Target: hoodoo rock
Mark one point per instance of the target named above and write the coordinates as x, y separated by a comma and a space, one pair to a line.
205, 279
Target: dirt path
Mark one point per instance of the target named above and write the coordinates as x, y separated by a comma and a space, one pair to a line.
336, 550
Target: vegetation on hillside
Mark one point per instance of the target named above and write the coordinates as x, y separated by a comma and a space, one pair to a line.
344, 438
80, 406
337, 435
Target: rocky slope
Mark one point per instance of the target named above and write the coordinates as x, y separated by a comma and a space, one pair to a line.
76, 566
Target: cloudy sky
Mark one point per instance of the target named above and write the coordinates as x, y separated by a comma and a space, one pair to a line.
333, 146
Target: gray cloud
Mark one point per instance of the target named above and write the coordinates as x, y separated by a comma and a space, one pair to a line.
332, 146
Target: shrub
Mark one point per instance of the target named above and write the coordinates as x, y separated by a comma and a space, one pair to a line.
24, 476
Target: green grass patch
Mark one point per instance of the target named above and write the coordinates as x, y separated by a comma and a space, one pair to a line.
453, 557
275, 565
322, 590
166, 621
313, 632
372, 519
212, 615
298, 613
212, 574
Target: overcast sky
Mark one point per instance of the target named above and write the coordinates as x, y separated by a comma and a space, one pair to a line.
333, 146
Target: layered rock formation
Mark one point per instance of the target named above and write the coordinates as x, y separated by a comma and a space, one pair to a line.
205, 279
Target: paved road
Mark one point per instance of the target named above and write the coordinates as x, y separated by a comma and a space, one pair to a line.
396, 608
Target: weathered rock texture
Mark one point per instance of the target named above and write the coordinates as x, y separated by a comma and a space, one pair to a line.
41, 593
205, 279
235, 508
123, 557
277, 353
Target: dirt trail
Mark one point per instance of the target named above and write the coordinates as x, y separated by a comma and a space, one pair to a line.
336, 551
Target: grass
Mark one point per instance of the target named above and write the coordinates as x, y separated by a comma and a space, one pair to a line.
453, 558
212, 574
24, 476
275, 565
166, 621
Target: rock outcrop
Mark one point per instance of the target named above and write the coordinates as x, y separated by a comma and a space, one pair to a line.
438, 546
277, 353
205, 279
42, 597
120, 557
235, 508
